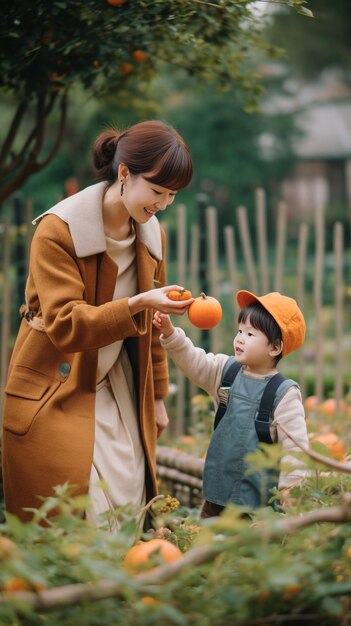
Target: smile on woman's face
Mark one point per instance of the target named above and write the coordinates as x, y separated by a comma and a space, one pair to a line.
143, 198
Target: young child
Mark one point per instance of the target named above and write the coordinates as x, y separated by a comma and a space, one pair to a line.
270, 327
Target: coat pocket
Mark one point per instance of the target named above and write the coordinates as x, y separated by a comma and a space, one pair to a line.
25, 394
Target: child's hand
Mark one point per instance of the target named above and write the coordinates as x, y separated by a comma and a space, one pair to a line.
162, 321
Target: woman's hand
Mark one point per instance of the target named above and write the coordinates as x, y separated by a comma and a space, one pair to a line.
161, 416
157, 299
163, 323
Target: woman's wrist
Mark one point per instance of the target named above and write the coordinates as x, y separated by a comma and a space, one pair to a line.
137, 303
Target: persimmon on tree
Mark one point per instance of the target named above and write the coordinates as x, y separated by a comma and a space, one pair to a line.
48, 47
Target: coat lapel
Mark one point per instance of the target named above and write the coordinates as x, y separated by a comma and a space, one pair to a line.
106, 278
146, 267
83, 214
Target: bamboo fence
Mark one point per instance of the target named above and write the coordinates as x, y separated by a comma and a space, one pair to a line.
259, 277
227, 259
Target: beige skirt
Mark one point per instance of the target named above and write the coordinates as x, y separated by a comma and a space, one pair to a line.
118, 471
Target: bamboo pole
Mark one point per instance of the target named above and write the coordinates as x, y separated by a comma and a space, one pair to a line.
317, 296
181, 279
181, 244
28, 230
212, 252
281, 246
230, 252
339, 307
247, 248
194, 259
6, 309
194, 287
300, 296
261, 221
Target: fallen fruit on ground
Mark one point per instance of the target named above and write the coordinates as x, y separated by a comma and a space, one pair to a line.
334, 444
311, 403
205, 312
331, 407
147, 555
8, 549
15, 584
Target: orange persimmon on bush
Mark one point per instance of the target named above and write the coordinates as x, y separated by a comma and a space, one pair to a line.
146, 555
139, 56
179, 294
116, 3
205, 312
126, 68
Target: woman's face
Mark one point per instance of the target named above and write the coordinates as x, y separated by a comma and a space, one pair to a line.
143, 199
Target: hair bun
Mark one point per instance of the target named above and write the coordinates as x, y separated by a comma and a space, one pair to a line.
104, 150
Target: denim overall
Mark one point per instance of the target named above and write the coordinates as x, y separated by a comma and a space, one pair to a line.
225, 478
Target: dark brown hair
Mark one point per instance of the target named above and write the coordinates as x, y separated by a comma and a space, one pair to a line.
147, 147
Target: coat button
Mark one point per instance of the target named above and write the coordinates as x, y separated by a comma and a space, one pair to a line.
64, 369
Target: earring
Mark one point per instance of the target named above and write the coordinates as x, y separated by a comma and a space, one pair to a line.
122, 188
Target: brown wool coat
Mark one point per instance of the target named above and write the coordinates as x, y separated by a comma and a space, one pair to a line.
48, 425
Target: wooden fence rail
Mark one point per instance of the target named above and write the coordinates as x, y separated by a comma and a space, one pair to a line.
180, 474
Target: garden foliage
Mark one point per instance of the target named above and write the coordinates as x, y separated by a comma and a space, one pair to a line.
287, 567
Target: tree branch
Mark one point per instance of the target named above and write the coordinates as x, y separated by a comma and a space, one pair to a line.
320, 458
11, 135
59, 137
31, 164
59, 597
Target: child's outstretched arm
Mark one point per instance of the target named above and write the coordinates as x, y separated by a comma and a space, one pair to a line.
162, 321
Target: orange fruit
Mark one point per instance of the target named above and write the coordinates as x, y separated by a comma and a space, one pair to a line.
71, 186
47, 37
126, 68
147, 555
333, 443
179, 294
149, 600
205, 312
329, 407
139, 56
19, 584
15, 584
290, 590
187, 439
116, 3
311, 403
8, 548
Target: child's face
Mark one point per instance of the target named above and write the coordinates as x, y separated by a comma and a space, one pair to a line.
251, 348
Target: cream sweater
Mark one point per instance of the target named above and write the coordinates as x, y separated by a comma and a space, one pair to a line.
205, 370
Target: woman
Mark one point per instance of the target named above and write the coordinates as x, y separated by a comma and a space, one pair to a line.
87, 374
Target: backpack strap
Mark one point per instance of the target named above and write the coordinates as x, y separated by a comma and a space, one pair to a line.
230, 371
263, 415
262, 419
